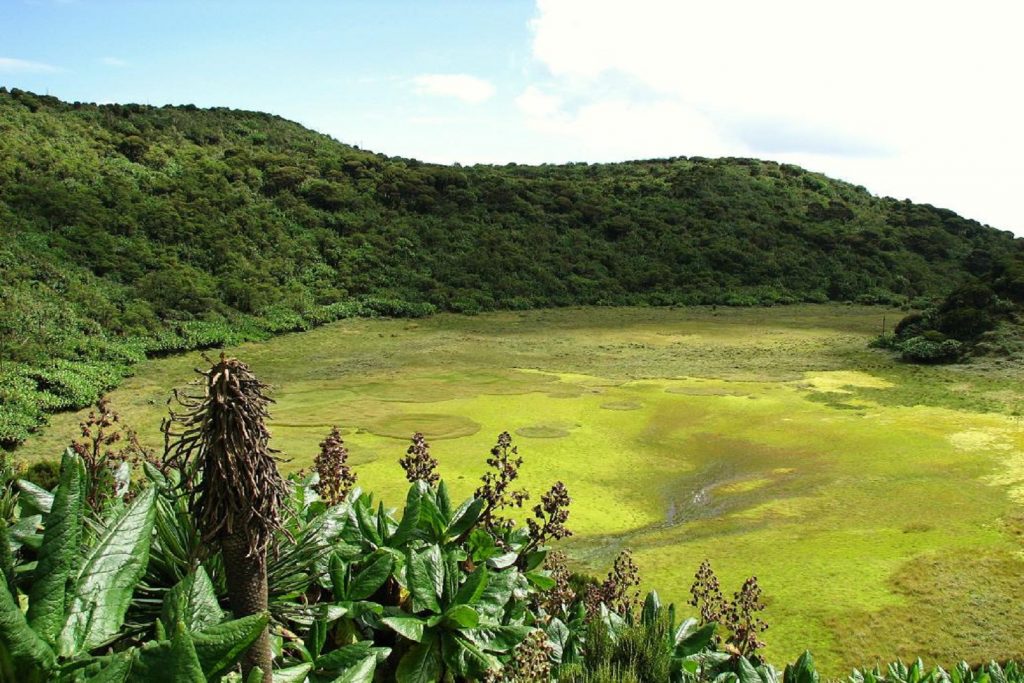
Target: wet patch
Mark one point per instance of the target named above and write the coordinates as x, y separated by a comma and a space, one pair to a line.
622, 405
431, 425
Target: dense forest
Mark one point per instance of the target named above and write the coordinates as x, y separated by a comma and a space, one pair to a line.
983, 316
131, 230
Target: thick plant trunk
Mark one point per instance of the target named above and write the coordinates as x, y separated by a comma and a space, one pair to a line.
247, 589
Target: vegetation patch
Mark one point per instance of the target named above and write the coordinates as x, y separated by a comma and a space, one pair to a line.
836, 485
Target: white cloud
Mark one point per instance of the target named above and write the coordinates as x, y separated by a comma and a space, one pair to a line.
22, 66
462, 87
910, 98
114, 62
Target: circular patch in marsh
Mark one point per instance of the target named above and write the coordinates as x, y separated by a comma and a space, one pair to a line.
705, 391
433, 426
543, 431
622, 405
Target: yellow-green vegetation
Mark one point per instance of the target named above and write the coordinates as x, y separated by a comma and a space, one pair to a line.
878, 503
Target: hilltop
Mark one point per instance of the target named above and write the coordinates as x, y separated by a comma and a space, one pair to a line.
131, 230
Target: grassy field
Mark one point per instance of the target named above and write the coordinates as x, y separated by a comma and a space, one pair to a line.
880, 505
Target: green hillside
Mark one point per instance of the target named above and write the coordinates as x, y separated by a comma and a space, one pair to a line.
128, 231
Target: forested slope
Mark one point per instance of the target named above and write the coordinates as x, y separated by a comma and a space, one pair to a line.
129, 230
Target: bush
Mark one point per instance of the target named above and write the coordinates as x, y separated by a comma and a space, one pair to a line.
924, 350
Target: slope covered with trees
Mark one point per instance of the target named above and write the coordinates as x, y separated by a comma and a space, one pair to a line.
129, 230
982, 316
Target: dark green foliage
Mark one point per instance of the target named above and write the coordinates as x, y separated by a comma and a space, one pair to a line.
959, 324
128, 230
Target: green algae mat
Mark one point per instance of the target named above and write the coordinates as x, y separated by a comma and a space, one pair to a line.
880, 505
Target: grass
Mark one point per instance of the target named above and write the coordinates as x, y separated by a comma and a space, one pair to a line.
879, 504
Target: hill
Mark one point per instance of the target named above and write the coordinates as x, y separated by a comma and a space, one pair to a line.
129, 230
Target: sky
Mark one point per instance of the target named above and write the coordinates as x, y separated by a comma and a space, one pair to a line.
911, 99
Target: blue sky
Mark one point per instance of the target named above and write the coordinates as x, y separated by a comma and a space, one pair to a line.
913, 99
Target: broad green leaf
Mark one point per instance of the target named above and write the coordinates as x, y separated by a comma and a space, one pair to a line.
463, 616
338, 570
407, 627
219, 647
541, 581
113, 669
498, 638
802, 671
174, 661
360, 673
26, 532
106, 582
497, 593
444, 502
411, 515
558, 638
59, 555
316, 637
367, 521
431, 520
465, 658
371, 577
34, 497
424, 568
421, 663
6, 555
193, 601
464, 517
745, 672
690, 641
24, 656
348, 656
292, 674
652, 608
473, 588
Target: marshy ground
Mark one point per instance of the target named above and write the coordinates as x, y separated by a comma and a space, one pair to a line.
880, 505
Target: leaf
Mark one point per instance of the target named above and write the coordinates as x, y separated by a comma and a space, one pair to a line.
745, 671
59, 554
193, 601
498, 638
473, 588
173, 661
360, 673
34, 497
338, 570
497, 593
105, 585
652, 608
350, 655
465, 658
367, 522
432, 522
465, 517
444, 502
219, 647
690, 642
24, 656
424, 569
802, 671
371, 577
114, 669
407, 627
463, 616
558, 637
421, 663
26, 532
541, 581
410, 517
292, 674
317, 637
